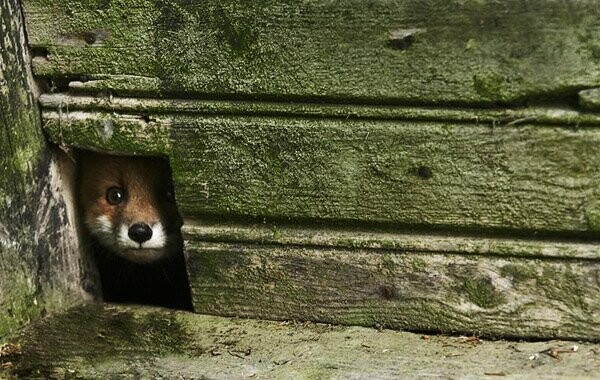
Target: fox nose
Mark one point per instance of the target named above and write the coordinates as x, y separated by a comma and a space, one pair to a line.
140, 232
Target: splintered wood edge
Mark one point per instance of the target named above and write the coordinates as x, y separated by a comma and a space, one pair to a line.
107, 131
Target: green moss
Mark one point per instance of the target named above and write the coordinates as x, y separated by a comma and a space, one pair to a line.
238, 29
562, 284
481, 292
324, 50
276, 233
24, 241
519, 272
593, 219
590, 99
345, 242
109, 331
121, 85
418, 264
310, 168
19, 301
214, 347
489, 85
389, 265
110, 133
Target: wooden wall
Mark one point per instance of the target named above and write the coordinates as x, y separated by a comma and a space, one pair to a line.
41, 267
424, 165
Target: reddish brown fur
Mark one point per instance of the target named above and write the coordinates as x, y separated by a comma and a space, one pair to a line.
146, 180
152, 275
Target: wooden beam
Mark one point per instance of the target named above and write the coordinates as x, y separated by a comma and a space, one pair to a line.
64, 104
344, 237
497, 288
410, 51
40, 266
534, 178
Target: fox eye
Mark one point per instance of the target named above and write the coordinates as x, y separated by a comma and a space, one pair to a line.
115, 195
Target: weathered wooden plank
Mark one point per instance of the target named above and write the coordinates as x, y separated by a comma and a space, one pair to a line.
590, 99
385, 239
434, 51
41, 270
112, 342
413, 173
108, 131
63, 104
533, 178
485, 295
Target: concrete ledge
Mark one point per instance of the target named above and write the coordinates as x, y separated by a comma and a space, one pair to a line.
98, 341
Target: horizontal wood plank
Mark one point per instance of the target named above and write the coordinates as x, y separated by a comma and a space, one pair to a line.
338, 237
107, 131
412, 173
474, 176
461, 284
485, 295
145, 108
433, 51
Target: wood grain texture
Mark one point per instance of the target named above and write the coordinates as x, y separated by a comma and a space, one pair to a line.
434, 51
62, 104
441, 174
40, 268
538, 289
344, 237
108, 131
490, 296
590, 99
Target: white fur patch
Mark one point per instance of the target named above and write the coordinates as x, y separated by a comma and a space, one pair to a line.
103, 225
124, 239
158, 239
102, 229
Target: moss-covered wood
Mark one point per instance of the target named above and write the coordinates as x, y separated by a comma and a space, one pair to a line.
434, 51
590, 99
347, 155
146, 108
441, 173
383, 239
452, 285
527, 174
108, 131
40, 267
114, 342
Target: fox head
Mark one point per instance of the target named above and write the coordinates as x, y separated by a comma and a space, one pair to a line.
128, 205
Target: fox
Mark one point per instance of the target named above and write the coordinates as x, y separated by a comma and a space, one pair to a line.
128, 210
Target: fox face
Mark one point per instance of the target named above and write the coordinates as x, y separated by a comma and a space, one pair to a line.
128, 205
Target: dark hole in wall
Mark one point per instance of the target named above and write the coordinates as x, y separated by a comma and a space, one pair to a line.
127, 208
38, 51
